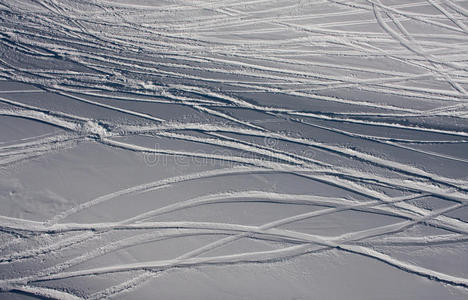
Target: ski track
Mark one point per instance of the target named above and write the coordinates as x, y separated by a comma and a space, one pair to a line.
215, 63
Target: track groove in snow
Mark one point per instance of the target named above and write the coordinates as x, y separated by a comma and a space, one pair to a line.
353, 98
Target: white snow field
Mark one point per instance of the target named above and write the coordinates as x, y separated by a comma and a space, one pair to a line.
249, 149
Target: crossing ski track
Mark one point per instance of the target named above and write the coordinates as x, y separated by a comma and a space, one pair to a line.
302, 112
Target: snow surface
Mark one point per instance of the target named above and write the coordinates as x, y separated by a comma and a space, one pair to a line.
197, 149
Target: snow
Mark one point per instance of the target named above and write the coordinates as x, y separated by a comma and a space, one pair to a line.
195, 149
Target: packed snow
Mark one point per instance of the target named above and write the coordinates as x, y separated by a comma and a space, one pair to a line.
251, 149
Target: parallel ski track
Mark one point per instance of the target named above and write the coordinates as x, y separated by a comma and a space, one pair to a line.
215, 62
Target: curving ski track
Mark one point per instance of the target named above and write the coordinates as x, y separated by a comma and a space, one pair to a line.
347, 112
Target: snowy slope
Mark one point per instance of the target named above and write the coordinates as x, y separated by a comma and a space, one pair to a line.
197, 149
